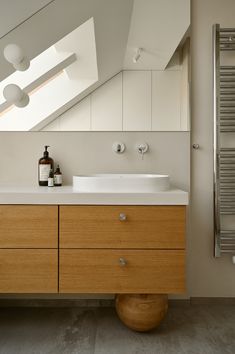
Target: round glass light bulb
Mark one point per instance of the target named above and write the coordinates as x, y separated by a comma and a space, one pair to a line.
13, 53
12, 93
15, 95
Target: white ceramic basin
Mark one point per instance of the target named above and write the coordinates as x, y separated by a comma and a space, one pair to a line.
121, 183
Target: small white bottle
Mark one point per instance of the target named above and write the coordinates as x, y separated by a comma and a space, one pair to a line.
51, 179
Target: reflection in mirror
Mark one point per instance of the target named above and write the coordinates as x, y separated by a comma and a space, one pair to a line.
122, 69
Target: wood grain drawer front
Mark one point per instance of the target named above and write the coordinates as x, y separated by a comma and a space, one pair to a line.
28, 271
103, 271
144, 227
28, 226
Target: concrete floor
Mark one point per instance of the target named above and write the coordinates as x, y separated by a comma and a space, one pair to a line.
187, 329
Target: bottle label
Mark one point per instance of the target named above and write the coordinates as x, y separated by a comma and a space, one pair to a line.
44, 171
50, 182
58, 179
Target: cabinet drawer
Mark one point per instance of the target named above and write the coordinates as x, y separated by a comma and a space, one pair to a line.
144, 227
28, 226
103, 271
28, 271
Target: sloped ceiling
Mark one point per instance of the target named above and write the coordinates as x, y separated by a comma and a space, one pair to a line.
15, 12
121, 26
157, 26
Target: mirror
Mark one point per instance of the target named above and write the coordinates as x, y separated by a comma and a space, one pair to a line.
96, 65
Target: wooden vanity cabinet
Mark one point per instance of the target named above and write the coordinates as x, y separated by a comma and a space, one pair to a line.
28, 271
101, 271
28, 249
92, 249
28, 226
122, 249
151, 227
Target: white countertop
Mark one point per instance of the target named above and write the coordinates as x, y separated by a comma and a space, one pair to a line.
66, 195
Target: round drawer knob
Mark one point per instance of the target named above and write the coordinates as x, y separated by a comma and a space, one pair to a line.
122, 217
122, 262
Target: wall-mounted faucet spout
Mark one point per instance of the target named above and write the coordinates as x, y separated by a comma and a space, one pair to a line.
142, 149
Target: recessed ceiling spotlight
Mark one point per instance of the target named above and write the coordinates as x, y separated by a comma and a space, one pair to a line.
15, 55
137, 55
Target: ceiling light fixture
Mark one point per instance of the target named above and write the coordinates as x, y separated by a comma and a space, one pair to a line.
15, 55
15, 95
137, 55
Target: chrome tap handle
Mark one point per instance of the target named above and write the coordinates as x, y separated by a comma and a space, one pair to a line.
142, 149
118, 147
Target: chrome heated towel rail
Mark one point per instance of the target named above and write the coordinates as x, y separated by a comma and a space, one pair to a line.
224, 123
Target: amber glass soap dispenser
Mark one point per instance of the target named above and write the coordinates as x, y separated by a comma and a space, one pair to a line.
45, 164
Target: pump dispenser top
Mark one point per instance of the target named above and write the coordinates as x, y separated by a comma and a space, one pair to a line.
46, 153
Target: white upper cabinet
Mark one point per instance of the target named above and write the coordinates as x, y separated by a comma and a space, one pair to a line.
77, 117
166, 99
133, 101
106, 106
136, 100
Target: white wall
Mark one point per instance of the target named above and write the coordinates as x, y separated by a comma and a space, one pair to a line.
91, 152
207, 276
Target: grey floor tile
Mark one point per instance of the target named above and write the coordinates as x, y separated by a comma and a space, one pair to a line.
191, 329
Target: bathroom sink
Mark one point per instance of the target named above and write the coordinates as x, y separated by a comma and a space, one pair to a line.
121, 183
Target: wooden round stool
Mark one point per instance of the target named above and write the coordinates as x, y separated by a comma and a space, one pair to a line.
141, 312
